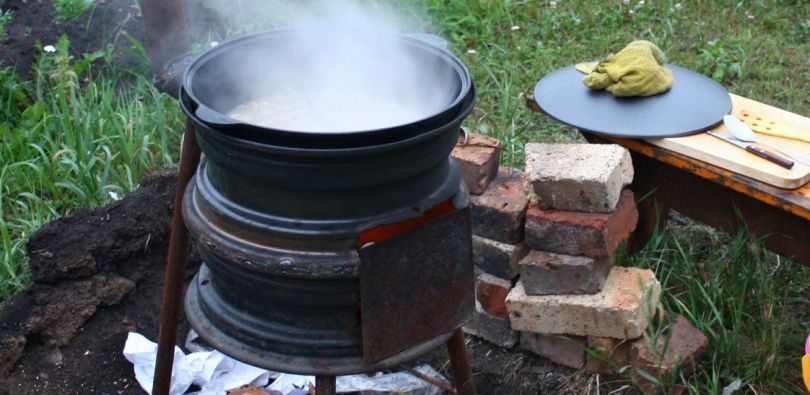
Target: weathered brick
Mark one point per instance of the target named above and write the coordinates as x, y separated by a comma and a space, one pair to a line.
620, 310
496, 258
500, 212
680, 348
577, 177
564, 350
609, 354
595, 235
490, 328
478, 161
547, 273
491, 292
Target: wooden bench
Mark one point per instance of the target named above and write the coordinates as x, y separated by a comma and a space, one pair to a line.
717, 197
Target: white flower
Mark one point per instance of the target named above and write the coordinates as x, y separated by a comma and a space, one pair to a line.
515, 28
678, 6
640, 3
472, 51
49, 48
552, 3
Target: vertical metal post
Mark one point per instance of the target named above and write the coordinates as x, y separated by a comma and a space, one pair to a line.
175, 267
325, 385
460, 364
165, 30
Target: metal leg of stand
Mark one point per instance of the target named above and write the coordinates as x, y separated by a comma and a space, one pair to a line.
325, 385
460, 364
175, 267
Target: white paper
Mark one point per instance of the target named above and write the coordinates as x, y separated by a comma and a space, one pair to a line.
216, 373
213, 371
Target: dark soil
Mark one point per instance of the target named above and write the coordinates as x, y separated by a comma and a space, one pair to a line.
125, 241
33, 21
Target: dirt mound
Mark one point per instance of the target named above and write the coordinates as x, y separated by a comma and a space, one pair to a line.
98, 274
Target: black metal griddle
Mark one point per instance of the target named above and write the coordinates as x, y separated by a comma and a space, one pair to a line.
695, 103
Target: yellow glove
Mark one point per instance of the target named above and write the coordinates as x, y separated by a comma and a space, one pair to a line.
637, 70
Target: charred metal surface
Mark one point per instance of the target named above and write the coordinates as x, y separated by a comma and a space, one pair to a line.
170, 77
416, 285
301, 362
709, 195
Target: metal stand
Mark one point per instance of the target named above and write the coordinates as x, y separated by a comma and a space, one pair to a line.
460, 364
325, 385
175, 267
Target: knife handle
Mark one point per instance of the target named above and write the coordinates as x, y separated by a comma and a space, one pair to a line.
769, 156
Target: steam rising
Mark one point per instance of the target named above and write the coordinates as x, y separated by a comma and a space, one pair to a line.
343, 66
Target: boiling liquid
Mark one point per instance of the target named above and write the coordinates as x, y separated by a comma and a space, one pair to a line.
320, 113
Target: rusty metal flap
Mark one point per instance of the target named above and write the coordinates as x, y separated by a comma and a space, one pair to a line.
416, 285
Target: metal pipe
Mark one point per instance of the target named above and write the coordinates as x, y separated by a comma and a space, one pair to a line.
167, 39
175, 267
166, 31
460, 364
325, 385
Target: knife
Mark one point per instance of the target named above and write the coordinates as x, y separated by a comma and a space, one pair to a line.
764, 154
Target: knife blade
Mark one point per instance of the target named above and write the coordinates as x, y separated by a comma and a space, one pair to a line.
764, 154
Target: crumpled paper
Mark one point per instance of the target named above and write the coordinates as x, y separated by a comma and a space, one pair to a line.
216, 373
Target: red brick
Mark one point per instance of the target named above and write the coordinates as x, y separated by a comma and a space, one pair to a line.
500, 212
596, 235
547, 273
567, 351
478, 161
609, 354
491, 292
661, 357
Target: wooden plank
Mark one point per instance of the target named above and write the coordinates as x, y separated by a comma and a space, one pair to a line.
796, 201
761, 117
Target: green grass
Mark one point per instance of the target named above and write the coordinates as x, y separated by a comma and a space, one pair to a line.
71, 140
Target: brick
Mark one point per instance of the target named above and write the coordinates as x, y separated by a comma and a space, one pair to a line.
496, 258
500, 212
478, 161
620, 310
577, 177
609, 354
595, 235
491, 292
492, 329
547, 273
680, 348
567, 351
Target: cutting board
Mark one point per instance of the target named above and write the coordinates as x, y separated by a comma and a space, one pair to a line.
722, 154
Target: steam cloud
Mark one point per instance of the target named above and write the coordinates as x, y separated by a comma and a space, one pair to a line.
346, 69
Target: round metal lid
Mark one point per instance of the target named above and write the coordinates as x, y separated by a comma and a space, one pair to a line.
693, 104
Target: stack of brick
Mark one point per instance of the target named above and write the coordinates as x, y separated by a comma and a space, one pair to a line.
580, 213
543, 246
498, 203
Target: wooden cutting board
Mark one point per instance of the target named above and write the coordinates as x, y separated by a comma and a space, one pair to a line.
722, 154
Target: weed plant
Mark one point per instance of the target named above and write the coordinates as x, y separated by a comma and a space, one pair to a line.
68, 10
73, 138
